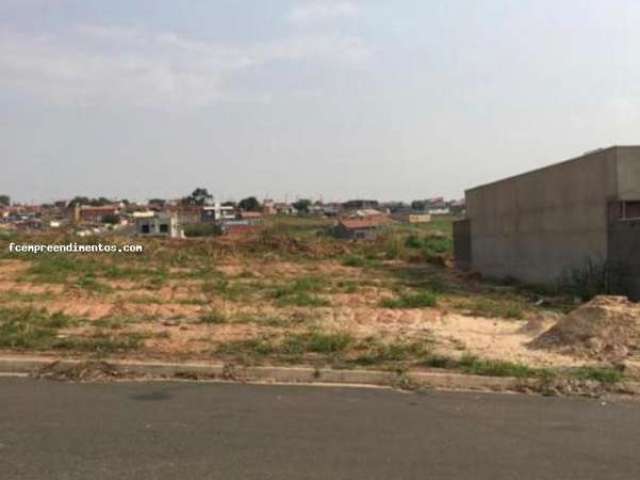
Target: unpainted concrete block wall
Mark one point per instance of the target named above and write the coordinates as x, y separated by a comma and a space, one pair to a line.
624, 254
536, 226
462, 244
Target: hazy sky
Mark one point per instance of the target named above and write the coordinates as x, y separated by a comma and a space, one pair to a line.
394, 99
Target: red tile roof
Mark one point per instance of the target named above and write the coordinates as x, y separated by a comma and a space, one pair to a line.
99, 209
366, 222
250, 215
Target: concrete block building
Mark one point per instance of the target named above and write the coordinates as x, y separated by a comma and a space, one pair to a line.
537, 226
159, 225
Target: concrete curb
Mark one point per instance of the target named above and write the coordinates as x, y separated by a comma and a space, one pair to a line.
138, 370
30, 365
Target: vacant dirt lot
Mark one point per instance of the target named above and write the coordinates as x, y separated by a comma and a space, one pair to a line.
281, 297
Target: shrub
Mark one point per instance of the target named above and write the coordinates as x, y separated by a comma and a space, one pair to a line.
413, 241
201, 230
435, 245
593, 278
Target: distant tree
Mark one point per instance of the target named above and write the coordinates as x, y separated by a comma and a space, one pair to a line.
79, 200
158, 201
200, 196
110, 219
5, 200
249, 204
94, 202
302, 205
418, 204
99, 202
202, 230
229, 203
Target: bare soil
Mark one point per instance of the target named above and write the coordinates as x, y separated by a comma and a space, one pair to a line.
606, 328
171, 316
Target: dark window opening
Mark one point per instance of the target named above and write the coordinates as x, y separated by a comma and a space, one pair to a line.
145, 229
164, 228
630, 210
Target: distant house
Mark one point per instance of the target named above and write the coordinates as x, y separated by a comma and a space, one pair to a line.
186, 214
189, 214
217, 213
437, 206
457, 207
251, 217
331, 209
143, 214
269, 207
359, 204
31, 223
282, 208
159, 225
411, 216
90, 214
325, 209
360, 228
394, 206
366, 213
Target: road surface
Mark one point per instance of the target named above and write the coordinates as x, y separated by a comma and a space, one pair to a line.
52, 430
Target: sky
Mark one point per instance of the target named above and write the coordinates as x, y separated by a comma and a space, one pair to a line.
333, 99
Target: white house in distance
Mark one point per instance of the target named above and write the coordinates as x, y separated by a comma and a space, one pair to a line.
218, 212
158, 225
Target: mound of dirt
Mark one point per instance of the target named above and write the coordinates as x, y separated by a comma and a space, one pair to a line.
539, 323
607, 328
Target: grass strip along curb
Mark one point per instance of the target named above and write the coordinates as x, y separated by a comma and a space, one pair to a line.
118, 370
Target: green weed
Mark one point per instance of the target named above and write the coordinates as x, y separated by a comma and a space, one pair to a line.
299, 293
598, 374
490, 308
415, 300
497, 368
30, 328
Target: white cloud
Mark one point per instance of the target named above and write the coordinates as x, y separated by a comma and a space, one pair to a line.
319, 10
98, 65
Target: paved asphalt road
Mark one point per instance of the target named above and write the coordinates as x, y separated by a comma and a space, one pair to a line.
189, 431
